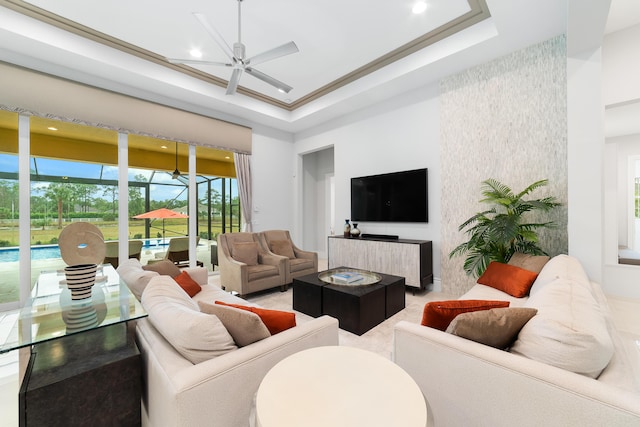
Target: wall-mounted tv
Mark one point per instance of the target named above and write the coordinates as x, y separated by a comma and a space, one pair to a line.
390, 197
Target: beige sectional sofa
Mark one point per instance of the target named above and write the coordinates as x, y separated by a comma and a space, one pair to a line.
194, 373
569, 366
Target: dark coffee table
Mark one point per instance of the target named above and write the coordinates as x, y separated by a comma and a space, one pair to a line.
358, 308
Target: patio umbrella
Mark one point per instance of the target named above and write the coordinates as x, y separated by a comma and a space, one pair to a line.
162, 213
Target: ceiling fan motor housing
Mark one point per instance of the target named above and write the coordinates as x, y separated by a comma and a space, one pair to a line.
238, 50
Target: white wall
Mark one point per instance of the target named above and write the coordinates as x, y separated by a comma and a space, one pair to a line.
621, 66
317, 168
399, 134
272, 180
620, 95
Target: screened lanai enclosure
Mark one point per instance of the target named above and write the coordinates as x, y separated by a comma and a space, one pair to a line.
74, 175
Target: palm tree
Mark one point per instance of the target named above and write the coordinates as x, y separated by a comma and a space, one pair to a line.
497, 233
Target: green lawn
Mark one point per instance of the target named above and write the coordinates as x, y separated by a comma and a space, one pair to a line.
49, 234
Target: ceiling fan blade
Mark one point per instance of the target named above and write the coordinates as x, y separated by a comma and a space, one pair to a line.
215, 35
197, 62
276, 52
233, 81
268, 79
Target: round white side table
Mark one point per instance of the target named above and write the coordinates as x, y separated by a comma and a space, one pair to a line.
339, 386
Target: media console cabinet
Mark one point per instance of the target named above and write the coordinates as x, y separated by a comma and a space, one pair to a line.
411, 259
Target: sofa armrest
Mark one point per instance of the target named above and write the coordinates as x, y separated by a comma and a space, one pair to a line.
464, 381
299, 253
219, 391
199, 274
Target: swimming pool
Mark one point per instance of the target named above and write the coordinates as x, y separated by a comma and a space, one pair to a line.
53, 251
37, 253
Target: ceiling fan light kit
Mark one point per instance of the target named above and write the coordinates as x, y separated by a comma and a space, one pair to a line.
237, 56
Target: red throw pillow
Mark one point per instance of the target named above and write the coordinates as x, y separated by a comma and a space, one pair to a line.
438, 314
275, 320
507, 278
189, 285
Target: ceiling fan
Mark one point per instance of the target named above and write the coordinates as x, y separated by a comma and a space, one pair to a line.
237, 57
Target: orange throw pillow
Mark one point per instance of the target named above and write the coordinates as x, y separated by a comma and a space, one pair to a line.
275, 320
438, 314
507, 278
189, 285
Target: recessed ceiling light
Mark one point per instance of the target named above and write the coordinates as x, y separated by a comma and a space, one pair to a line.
227, 157
163, 146
419, 7
52, 128
195, 53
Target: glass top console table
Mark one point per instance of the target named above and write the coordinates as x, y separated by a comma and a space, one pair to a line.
78, 349
50, 313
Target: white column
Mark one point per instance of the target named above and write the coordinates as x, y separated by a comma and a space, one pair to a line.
123, 197
24, 223
193, 206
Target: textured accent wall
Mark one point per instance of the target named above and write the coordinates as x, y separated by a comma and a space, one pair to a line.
507, 120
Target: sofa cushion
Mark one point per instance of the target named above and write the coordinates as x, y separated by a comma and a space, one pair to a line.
529, 262
438, 314
164, 267
299, 264
132, 274
190, 286
244, 326
497, 327
513, 280
561, 267
246, 252
569, 331
260, 271
196, 336
282, 247
275, 320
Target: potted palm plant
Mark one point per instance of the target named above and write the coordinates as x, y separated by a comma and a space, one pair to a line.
497, 233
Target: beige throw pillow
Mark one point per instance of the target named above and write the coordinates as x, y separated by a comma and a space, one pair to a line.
497, 327
164, 267
528, 262
244, 326
283, 248
196, 336
246, 252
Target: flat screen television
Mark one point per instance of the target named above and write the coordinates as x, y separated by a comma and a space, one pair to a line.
390, 197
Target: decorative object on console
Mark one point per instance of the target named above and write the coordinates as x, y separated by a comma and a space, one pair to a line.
347, 228
355, 231
82, 248
80, 279
499, 232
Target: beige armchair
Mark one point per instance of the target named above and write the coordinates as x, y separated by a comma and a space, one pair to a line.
300, 263
245, 267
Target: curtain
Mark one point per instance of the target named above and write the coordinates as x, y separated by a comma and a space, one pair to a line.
243, 174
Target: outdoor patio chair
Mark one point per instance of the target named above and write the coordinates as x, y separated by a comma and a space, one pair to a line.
111, 254
178, 251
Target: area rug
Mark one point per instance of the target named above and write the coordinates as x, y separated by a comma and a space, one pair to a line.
378, 340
